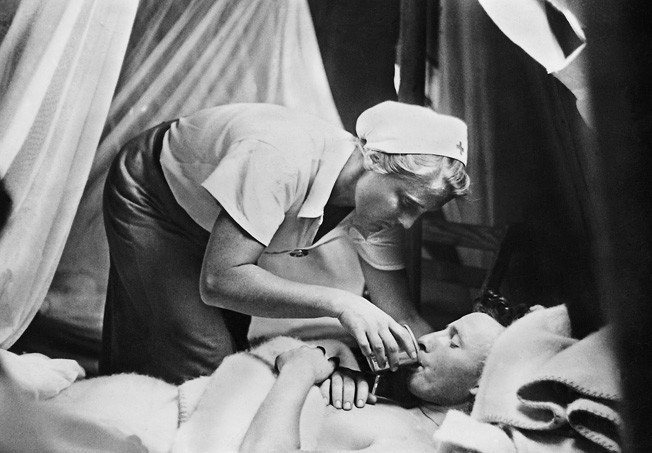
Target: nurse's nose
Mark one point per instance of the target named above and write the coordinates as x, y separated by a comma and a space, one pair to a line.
407, 221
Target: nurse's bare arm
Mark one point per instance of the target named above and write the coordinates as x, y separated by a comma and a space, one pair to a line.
389, 291
231, 279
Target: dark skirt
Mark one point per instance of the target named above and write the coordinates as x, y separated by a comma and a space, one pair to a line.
155, 322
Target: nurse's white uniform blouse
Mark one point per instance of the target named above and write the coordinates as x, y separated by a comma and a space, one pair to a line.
273, 169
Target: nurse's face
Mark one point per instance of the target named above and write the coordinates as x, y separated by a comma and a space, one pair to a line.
451, 359
383, 201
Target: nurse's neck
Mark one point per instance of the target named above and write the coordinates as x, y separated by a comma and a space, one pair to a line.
343, 193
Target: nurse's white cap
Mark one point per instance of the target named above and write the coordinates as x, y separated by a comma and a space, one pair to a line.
398, 128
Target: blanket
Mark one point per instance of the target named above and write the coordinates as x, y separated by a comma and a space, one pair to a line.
542, 390
35, 426
39, 377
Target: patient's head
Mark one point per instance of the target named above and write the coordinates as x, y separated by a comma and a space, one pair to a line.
452, 359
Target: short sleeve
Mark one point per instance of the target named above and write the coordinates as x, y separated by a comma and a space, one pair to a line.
382, 250
256, 185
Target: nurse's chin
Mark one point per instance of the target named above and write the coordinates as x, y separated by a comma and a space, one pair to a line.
366, 229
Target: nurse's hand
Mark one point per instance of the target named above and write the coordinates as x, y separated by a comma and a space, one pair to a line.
376, 332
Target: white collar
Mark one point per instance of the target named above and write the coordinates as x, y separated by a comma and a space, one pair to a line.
331, 163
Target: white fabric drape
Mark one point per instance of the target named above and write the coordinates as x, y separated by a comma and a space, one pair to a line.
60, 63
525, 23
184, 56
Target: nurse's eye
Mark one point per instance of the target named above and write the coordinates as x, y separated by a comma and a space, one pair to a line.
409, 204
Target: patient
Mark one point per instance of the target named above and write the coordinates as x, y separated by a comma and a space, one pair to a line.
244, 396
292, 415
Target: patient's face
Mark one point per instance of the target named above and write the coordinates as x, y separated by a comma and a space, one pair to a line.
452, 359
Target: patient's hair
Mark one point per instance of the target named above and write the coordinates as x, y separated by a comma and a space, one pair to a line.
499, 308
449, 174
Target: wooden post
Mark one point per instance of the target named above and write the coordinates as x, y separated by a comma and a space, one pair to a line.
412, 61
412, 51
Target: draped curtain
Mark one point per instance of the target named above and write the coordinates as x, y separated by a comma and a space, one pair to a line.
182, 56
60, 63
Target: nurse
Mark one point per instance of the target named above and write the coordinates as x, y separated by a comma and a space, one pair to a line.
258, 210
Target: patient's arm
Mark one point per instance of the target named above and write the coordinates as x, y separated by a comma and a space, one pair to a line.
232, 397
275, 426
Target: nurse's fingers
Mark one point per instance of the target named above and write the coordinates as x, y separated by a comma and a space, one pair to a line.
361, 338
391, 348
378, 348
404, 339
336, 389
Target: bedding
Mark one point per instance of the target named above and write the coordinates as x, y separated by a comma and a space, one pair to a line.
543, 391
39, 377
131, 412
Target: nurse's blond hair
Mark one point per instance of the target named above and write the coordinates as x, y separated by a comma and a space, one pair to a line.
439, 173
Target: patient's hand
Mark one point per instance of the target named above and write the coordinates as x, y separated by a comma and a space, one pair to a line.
336, 348
306, 359
347, 388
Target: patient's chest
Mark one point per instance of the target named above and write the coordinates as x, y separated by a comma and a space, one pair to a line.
358, 428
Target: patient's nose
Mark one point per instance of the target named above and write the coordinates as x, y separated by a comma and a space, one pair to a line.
428, 342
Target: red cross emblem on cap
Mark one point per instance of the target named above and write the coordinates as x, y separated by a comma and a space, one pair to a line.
461, 148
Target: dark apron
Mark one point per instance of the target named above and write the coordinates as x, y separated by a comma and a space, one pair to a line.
155, 322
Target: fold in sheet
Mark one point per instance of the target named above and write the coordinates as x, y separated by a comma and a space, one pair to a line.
598, 422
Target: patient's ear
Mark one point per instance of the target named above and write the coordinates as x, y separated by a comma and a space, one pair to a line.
474, 390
